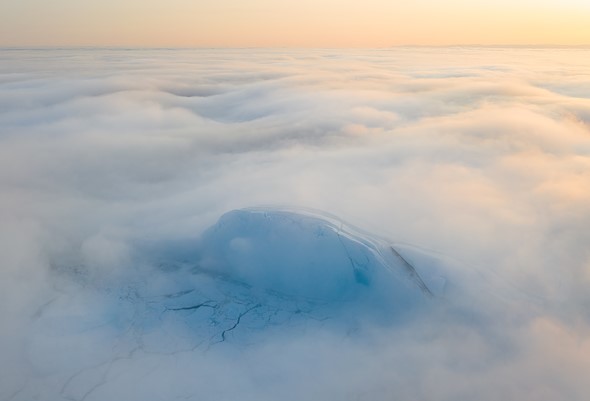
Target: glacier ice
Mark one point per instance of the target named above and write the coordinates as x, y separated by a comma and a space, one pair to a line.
256, 274
308, 254
255, 269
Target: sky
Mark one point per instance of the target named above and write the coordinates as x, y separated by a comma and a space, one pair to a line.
474, 162
289, 23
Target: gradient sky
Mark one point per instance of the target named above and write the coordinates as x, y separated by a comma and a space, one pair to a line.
304, 23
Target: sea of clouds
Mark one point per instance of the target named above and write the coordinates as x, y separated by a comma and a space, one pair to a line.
479, 155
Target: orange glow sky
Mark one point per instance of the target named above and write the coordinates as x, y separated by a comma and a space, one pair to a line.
292, 23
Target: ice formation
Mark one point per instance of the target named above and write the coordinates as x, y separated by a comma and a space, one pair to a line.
307, 254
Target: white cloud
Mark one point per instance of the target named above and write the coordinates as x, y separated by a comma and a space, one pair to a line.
111, 159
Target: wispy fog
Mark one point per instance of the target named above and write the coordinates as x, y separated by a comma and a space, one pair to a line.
473, 163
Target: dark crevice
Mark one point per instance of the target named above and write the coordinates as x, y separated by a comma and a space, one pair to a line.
207, 304
237, 322
411, 271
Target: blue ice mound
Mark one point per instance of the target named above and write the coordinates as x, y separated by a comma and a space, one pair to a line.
306, 254
255, 273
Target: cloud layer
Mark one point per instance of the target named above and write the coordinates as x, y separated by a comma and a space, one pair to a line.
478, 160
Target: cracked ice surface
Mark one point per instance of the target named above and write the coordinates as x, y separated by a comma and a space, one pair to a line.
256, 273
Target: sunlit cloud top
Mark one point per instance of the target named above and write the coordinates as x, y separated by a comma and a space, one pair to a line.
303, 23
119, 280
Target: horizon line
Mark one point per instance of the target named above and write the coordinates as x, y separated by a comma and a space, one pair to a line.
139, 47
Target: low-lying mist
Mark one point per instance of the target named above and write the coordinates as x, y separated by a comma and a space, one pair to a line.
116, 166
